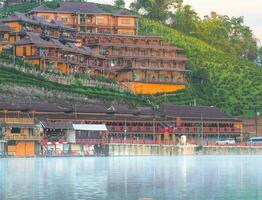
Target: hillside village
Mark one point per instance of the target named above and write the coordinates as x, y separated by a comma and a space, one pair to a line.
59, 63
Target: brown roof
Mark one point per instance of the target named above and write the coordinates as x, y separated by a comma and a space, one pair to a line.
35, 39
193, 111
40, 8
36, 20
76, 7
91, 111
17, 16
4, 28
124, 12
60, 24
57, 125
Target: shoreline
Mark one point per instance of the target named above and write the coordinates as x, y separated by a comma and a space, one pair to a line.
115, 150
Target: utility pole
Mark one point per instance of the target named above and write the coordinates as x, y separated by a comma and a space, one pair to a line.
154, 130
14, 54
218, 131
75, 111
194, 102
256, 117
202, 128
125, 131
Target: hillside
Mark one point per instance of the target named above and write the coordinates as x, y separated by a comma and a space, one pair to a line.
218, 79
16, 79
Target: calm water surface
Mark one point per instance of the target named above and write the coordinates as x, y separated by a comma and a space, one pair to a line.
179, 178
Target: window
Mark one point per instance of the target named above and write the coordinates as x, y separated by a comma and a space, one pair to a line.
100, 20
15, 130
11, 143
46, 17
64, 18
126, 32
136, 77
32, 131
125, 21
82, 19
113, 63
24, 51
103, 51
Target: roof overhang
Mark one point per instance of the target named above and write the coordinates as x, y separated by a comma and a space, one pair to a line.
90, 127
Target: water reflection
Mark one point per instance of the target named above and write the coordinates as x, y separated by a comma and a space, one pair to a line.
181, 178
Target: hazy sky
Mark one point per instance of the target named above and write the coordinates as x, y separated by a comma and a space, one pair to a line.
250, 9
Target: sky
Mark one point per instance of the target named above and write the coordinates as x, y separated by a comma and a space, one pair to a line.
250, 9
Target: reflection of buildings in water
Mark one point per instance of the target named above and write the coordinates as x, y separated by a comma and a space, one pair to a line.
130, 178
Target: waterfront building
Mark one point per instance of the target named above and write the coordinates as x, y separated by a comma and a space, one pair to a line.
82, 125
64, 137
22, 135
3, 147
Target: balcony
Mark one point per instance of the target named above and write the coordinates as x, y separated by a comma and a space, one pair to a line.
17, 120
140, 46
159, 81
128, 55
23, 137
4, 41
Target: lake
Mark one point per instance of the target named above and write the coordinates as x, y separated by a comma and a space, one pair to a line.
118, 178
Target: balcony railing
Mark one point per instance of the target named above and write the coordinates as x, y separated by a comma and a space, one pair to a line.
17, 120
135, 55
23, 137
176, 130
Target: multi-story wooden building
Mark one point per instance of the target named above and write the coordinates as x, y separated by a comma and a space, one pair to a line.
4, 36
89, 17
144, 64
22, 135
123, 125
20, 23
53, 39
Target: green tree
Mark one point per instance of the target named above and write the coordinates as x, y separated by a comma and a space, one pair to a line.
159, 10
228, 34
259, 57
120, 3
185, 19
242, 38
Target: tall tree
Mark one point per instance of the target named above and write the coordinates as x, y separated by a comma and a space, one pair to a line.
259, 58
159, 10
185, 19
228, 34
120, 3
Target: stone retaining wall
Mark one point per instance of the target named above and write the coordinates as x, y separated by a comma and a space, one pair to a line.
171, 150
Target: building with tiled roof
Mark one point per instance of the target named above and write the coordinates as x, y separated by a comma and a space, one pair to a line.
89, 17
142, 125
83, 38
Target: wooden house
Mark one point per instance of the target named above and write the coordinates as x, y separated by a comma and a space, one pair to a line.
89, 17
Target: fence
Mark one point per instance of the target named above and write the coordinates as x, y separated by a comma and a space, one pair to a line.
67, 80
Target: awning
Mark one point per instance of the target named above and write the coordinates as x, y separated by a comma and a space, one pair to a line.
57, 125
89, 127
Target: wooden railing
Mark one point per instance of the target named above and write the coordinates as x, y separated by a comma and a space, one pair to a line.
17, 120
68, 80
23, 137
179, 130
